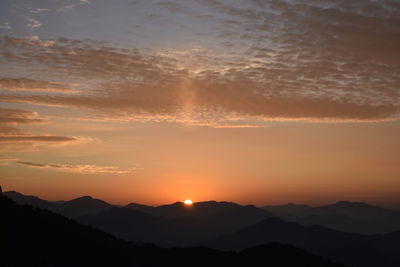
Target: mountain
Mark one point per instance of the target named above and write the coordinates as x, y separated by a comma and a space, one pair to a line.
288, 209
349, 248
179, 209
37, 237
130, 225
140, 207
356, 217
176, 224
28, 200
81, 206
74, 208
169, 225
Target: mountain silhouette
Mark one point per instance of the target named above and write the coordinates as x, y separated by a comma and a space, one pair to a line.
74, 208
357, 217
350, 248
140, 207
81, 206
38, 237
226, 225
130, 225
28, 200
186, 225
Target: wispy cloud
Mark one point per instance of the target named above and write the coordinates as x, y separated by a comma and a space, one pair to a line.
34, 23
23, 84
5, 160
39, 10
82, 169
5, 26
13, 138
16, 116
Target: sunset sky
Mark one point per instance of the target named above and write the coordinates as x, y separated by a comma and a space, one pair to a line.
152, 101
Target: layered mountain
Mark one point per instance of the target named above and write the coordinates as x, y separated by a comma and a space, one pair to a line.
181, 226
38, 237
74, 208
350, 248
357, 217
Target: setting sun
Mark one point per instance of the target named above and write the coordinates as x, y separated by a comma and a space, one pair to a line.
188, 202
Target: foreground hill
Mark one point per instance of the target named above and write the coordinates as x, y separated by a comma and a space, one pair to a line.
356, 217
37, 237
352, 249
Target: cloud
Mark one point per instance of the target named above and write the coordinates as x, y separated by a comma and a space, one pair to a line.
5, 26
23, 84
39, 10
82, 169
340, 65
5, 160
69, 6
22, 138
16, 116
13, 138
33, 23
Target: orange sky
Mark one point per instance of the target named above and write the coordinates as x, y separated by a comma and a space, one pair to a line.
261, 102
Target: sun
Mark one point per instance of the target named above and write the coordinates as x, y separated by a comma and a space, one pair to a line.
188, 202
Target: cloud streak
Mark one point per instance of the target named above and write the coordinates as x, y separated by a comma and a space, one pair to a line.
17, 116
29, 85
81, 169
13, 138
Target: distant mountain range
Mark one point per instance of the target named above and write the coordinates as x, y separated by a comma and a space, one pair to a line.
349, 248
37, 237
74, 208
356, 217
230, 226
182, 226
168, 225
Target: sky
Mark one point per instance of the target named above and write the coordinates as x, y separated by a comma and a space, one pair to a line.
155, 101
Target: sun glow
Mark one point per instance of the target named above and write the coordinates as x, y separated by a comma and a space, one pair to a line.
188, 202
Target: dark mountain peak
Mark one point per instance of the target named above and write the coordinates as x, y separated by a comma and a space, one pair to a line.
85, 197
140, 207
28, 200
175, 204
81, 206
86, 200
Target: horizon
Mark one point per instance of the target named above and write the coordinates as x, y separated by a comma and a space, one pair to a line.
160, 100
393, 206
